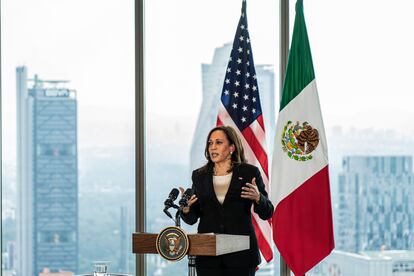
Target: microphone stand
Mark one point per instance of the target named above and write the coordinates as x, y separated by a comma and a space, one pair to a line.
191, 258
178, 217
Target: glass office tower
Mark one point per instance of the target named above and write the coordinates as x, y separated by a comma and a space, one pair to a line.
376, 199
47, 176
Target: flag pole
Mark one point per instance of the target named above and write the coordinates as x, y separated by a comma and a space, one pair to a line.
283, 42
283, 56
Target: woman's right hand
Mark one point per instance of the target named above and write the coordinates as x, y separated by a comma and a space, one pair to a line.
191, 201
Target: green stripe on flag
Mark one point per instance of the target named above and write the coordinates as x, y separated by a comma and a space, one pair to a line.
299, 72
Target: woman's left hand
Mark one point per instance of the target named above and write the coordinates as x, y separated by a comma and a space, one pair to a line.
250, 191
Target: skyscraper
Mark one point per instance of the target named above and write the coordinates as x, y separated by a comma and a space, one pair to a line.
213, 78
47, 176
376, 199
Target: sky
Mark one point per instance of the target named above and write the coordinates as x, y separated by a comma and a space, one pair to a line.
90, 43
362, 53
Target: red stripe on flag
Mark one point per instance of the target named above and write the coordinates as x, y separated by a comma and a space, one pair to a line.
257, 149
260, 121
264, 246
303, 230
219, 122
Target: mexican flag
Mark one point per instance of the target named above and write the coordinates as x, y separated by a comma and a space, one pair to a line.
302, 221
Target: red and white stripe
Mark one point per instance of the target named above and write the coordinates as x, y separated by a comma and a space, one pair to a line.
254, 144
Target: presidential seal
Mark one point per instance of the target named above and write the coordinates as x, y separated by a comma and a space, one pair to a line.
299, 140
172, 243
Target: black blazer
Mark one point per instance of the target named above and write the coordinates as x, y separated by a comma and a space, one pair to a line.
231, 217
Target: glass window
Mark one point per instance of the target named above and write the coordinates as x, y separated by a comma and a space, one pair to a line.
362, 57
187, 48
68, 173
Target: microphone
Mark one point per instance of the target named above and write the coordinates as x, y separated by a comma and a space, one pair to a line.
186, 197
169, 202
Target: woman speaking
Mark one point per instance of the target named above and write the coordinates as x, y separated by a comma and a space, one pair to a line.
224, 191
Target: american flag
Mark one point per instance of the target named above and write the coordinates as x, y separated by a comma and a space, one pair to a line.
240, 108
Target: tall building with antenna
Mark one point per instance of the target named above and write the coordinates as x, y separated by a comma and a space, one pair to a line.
47, 176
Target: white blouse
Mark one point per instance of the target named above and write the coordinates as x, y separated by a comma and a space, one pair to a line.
221, 185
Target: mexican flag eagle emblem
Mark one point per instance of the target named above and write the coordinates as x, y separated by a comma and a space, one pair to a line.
299, 140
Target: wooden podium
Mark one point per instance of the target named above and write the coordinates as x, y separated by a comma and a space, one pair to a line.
199, 245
